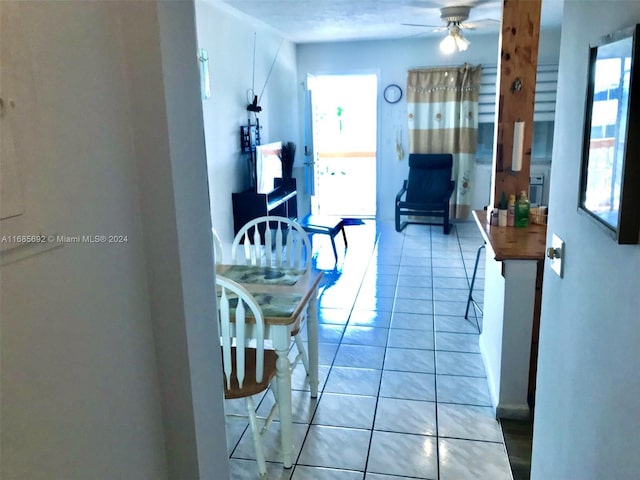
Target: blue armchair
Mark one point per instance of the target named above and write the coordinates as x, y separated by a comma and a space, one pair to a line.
427, 191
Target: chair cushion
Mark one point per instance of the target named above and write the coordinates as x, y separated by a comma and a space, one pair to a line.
431, 160
429, 209
250, 386
429, 179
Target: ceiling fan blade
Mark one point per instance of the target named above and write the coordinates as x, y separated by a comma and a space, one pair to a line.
483, 23
436, 28
438, 4
426, 3
447, 3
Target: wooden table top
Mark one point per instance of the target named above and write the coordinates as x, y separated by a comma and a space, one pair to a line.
305, 287
511, 243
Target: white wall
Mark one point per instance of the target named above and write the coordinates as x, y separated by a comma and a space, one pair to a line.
178, 241
391, 59
228, 37
96, 371
587, 421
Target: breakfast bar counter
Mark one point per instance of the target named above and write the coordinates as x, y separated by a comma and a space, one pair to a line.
511, 243
511, 313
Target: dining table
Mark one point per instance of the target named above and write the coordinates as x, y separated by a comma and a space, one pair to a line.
285, 295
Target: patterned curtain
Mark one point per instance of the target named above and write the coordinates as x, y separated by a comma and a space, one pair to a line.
443, 118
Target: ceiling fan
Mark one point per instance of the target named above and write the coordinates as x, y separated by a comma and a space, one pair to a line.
455, 18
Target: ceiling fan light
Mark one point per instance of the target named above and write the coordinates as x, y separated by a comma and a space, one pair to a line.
461, 43
448, 45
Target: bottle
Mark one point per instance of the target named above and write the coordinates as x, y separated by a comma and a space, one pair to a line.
494, 217
522, 210
511, 210
502, 212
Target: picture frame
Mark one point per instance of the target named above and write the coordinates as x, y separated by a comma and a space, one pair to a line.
610, 167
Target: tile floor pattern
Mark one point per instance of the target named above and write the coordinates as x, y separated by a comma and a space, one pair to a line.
403, 392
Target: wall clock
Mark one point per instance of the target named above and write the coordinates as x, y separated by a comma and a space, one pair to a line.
392, 93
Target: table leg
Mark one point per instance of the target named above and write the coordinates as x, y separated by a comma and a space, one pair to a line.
281, 343
312, 339
333, 245
344, 235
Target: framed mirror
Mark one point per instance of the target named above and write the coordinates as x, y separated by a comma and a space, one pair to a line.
610, 173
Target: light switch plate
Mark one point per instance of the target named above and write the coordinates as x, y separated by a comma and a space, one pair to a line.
556, 255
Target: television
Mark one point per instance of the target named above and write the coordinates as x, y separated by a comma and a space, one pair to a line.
268, 166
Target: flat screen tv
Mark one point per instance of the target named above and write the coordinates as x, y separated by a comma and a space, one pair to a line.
268, 166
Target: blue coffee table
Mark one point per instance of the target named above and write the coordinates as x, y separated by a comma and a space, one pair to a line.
325, 225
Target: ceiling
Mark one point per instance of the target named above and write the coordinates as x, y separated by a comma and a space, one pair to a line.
310, 21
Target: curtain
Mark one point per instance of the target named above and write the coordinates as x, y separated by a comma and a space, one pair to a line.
443, 118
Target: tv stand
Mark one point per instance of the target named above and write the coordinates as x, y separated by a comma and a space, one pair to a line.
281, 201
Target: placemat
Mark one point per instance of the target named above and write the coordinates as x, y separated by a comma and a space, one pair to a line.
264, 275
281, 305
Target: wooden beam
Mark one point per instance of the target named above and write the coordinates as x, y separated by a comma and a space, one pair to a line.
517, 66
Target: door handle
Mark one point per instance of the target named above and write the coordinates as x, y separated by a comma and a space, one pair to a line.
554, 253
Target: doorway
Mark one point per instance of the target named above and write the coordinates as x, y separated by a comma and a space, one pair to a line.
344, 135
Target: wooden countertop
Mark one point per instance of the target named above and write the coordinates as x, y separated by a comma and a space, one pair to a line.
511, 243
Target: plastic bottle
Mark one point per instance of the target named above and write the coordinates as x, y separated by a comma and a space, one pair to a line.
511, 210
502, 211
522, 210
494, 217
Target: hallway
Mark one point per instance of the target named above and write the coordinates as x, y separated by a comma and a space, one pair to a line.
403, 392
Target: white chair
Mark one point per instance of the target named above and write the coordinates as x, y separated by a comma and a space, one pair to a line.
272, 242
217, 247
247, 371
277, 242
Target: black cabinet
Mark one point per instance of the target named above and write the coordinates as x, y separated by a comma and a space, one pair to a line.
281, 201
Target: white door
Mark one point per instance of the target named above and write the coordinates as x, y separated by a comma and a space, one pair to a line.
344, 134
309, 151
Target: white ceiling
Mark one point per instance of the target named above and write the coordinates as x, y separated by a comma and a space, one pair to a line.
309, 21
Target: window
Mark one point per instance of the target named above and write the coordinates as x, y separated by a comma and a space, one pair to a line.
544, 113
541, 148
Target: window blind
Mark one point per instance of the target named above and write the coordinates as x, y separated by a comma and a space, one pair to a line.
545, 99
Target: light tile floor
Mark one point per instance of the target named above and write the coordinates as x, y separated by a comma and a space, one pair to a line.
403, 392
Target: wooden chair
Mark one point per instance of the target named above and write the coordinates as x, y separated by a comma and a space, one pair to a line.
217, 247
428, 189
247, 371
276, 242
